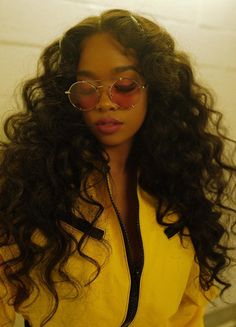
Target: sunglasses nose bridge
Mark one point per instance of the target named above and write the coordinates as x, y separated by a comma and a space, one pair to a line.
105, 89
105, 95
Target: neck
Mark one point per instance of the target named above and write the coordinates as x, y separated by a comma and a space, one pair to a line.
119, 159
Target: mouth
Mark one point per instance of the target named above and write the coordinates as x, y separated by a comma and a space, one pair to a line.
108, 121
108, 125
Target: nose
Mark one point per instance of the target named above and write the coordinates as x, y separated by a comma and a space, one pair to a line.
105, 103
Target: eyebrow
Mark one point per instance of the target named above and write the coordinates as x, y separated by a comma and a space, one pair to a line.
115, 70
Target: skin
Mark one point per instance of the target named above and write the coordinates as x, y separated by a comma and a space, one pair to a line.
101, 55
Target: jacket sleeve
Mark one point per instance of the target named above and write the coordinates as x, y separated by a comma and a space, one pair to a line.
193, 304
7, 312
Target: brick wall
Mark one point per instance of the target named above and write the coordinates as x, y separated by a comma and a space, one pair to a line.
206, 29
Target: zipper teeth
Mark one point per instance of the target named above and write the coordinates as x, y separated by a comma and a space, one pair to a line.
119, 217
130, 261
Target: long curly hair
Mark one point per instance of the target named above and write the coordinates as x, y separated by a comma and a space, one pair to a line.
49, 155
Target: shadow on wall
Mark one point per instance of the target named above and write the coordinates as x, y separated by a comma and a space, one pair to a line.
225, 317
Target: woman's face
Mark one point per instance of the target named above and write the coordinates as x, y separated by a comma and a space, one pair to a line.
103, 58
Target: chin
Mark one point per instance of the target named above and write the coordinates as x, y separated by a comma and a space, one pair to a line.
111, 144
120, 143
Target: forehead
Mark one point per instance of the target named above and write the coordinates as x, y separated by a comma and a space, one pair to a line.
101, 54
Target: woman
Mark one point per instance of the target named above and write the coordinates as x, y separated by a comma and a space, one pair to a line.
112, 184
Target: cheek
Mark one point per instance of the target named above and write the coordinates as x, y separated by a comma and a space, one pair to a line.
136, 120
143, 109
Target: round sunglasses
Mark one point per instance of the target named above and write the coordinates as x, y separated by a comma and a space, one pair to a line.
124, 92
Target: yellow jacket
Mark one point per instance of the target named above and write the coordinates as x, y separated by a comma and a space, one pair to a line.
168, 294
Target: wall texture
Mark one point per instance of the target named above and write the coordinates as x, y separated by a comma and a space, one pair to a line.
205, 29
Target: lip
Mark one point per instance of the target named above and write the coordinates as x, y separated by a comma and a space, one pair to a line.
105, 121
108, 125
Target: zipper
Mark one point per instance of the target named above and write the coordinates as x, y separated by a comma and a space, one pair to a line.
135, 270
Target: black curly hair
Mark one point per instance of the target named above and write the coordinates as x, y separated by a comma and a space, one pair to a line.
49, 155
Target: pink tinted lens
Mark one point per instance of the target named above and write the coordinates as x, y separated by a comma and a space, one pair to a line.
83, 95
125, 93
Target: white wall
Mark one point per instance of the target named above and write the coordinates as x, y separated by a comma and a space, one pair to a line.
206, 29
